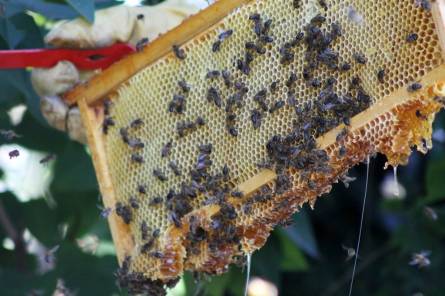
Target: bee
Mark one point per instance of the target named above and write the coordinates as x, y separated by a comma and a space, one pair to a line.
412, 37
50, 256
156, 233
291, 80
341, 135
307, 74
430, 213
160, 175
256, 117
216, 46
225, 170
133, 202
174, 167
176, 220
420, 115
336, 30
237, 194
278, 105
360, 58
140, 17
184, 86
179, 52
124, 134
421, 259
413, 87
286, 56
347, 121
227, 79
47, 158
9, 135
14, 153
323, 4
214, 96
156, 201
147, 246
345, 67
243, 67
135, 143
142, 189
213, 74
136, 123
205, 148
355, 82
177, 105
141, 44
318, 19
297, 39
255, 17
315, 82
233, 131
224, 35
350, 252
274, 86
108, 121
137, 158
200, 121
342, 151
185, 126
105, 212
266, 39
124, 212
166, 149
260, 50
107, 106
144, 230
157, 255
424, 4
248, 58
381, 75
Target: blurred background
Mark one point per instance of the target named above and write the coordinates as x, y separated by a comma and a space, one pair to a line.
54, 242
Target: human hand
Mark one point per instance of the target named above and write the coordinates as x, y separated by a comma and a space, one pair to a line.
116, 24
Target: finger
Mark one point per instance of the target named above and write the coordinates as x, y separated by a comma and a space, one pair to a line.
56, 80
151, 21
55, 111
111, 25
76, 131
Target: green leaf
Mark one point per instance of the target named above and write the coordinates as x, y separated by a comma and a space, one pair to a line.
86, 274
302, 234
292, 258
74, 171
218, 285
40, 137
10, 33
435, 179
42, 222
15, 282
84, 7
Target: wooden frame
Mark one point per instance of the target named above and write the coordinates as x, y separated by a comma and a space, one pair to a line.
98, 87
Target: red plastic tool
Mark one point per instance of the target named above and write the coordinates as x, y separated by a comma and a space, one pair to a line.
84, 59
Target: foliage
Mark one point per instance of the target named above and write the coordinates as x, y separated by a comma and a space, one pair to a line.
305, 258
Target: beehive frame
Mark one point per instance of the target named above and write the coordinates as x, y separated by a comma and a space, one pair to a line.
87, 95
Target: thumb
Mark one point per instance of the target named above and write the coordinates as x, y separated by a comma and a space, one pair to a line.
56, 80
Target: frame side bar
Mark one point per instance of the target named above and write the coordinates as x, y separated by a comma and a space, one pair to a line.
120, 232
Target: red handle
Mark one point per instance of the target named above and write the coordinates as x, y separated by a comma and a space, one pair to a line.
84, 59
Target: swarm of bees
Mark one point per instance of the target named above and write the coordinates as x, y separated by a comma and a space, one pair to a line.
228, 91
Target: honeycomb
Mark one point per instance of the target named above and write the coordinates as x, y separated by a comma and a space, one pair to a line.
213, 228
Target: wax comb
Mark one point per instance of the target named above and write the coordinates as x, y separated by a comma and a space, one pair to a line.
225, 126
